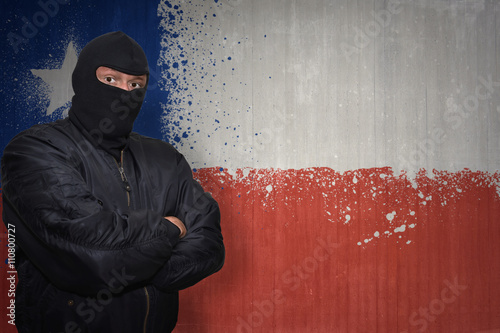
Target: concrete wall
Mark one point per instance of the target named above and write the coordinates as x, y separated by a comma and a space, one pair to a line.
344, 84
359, 142
353, 146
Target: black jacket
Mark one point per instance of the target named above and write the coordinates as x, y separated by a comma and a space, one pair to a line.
93, 251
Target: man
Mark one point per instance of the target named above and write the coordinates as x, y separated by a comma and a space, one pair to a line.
109, 224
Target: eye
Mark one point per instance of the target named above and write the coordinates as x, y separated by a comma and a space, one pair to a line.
135, 85
108, 79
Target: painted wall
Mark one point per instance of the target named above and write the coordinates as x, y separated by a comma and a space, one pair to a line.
353, 146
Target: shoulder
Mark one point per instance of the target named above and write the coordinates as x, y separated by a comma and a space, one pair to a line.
136, 138
43, 137
47, 131
38, 148
152, 147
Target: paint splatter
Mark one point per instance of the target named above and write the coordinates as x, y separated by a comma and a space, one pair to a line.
268, 234
192, 57
396, 212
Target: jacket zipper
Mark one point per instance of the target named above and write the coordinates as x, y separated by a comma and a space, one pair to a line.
124, 177
147, 308
127, 188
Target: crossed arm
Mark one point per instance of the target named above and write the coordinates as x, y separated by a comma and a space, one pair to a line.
78, 244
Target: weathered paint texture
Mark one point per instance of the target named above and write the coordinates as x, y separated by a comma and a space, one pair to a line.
362, 251
343, 84
353, 147
361, 156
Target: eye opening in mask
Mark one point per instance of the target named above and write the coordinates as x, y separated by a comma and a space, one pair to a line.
121, 80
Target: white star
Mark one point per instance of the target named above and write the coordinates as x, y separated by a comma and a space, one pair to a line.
59, 80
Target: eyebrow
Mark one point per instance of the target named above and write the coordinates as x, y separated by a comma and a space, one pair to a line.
111, 71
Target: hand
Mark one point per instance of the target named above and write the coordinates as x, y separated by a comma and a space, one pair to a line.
178, 223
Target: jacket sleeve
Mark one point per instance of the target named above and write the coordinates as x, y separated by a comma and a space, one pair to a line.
201, 252
65, 231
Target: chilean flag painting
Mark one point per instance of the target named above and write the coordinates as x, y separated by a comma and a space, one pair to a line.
353, 147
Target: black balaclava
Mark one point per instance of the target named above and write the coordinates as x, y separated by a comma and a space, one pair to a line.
104, 113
